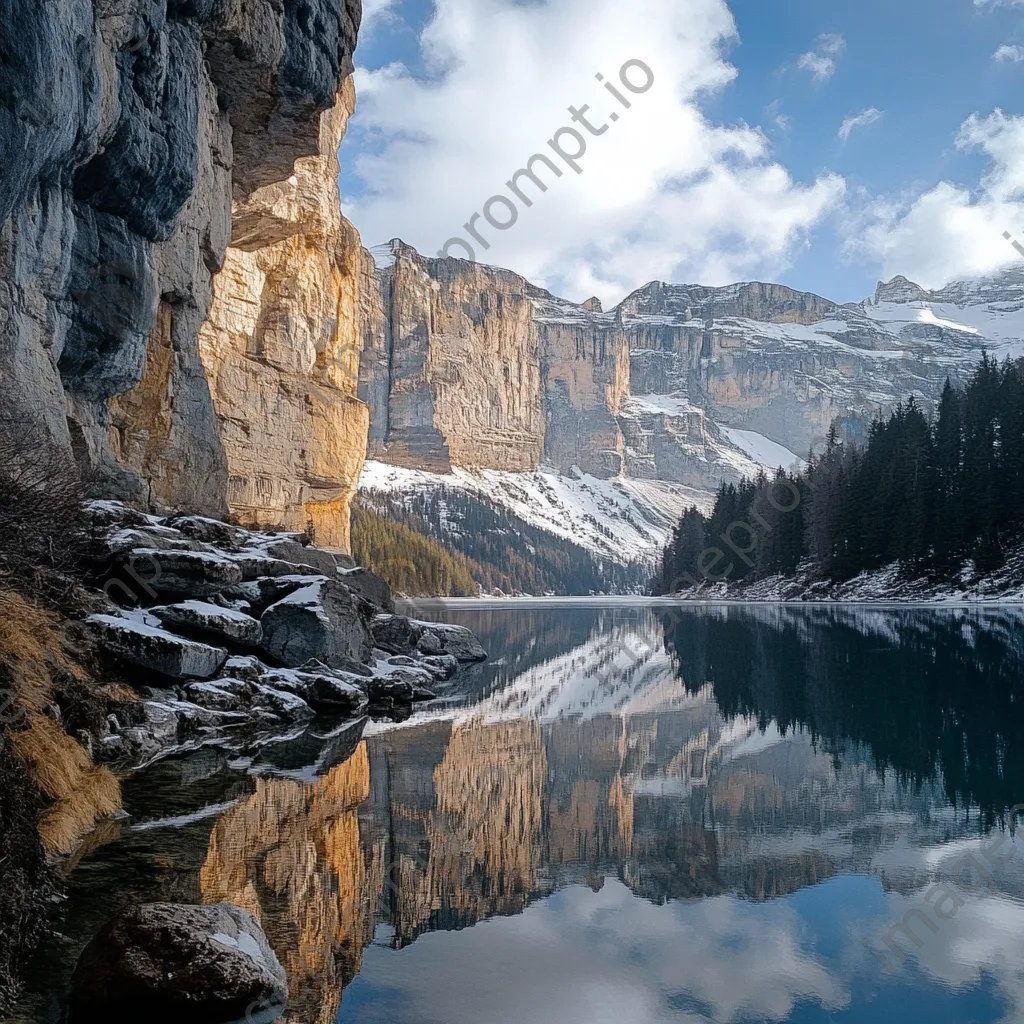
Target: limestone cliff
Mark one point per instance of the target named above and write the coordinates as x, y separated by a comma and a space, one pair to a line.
474, 367
279, 348
128, 131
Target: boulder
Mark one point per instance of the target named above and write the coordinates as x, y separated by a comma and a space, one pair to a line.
155, 732
323, 620
290, 550
370, 586
191, 573
289, 707
395, 633
391, 690
455, 640
429, 643
211, 620
150, 647
255, 564
332, 695
264, 591
164, 962
221, 694
209, 531
441, 666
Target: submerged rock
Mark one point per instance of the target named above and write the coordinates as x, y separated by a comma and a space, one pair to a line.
165, 962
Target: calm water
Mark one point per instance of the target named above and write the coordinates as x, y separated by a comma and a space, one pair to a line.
628, 815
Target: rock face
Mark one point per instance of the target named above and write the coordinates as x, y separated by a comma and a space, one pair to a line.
165, 962
128, 134
280, 348
475, 368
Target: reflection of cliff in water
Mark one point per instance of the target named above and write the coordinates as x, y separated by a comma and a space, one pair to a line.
934, 693
451, 822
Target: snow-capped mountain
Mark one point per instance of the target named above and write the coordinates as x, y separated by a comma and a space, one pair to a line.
602, 426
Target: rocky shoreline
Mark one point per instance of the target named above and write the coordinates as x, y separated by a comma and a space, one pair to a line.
222, 629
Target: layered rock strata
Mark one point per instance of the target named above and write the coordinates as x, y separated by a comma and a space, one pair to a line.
473, 367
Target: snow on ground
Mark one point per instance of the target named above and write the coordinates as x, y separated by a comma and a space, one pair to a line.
623, 520
764, 451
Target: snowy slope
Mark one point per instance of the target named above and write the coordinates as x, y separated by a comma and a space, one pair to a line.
621, 520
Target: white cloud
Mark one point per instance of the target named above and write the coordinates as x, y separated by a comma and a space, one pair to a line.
861, 120
374, 12
1009, 53
663, 193
821, 61
952, 231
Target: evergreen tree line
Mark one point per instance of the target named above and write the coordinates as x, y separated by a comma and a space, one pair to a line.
414, 565
502, 551
928, 493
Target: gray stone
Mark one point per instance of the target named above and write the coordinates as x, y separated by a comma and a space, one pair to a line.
456, 640
193, 573
322, 620
429, 643
155, 649
396, 634
211, 620
289, 550
370, 586
164, 962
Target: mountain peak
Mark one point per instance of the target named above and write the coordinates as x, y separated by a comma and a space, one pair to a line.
899, 289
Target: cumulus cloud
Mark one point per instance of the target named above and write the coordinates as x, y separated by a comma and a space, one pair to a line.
663, 192
861, 120
951, 231
821, 61
375, 11
1009, 53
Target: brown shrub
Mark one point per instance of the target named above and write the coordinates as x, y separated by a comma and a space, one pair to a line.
43, 533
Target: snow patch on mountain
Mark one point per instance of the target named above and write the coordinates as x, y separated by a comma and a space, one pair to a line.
623, 520
765, 452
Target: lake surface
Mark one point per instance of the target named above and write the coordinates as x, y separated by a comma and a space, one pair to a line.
630, 815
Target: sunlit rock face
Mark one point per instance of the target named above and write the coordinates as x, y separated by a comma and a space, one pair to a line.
452, 365
474, 367
280, 348
126, 132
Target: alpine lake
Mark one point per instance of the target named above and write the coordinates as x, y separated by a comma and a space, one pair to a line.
631, 813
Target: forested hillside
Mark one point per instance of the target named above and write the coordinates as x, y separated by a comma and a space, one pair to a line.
502, 552
938, 497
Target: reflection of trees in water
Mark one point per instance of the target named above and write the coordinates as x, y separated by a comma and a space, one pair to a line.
929, 692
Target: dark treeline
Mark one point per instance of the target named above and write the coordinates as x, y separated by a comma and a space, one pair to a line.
934, 695
927, 493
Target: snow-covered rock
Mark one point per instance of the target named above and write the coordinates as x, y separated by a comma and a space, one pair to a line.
323, 620
139, 643
210, 619
457, 641
195, 573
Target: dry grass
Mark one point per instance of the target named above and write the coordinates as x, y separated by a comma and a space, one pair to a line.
32, 661
80, 792
31, 650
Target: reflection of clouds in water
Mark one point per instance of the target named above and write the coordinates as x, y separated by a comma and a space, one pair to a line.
984, 938
608, 957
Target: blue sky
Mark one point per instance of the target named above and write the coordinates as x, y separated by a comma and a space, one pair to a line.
773, 190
